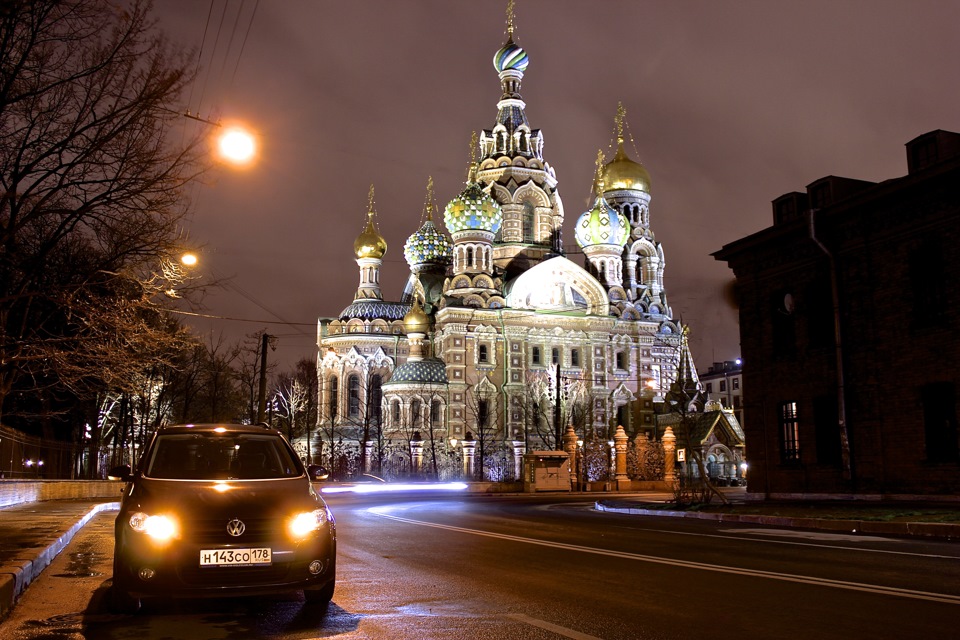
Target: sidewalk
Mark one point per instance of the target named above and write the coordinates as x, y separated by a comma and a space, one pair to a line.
32, 534
861, 518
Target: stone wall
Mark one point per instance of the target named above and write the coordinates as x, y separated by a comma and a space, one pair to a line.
18, 491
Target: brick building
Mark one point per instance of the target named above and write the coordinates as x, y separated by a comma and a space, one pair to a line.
849, 313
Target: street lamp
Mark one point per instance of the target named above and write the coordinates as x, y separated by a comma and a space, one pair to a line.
237, 145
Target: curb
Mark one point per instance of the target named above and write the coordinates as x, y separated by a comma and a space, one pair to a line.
934, 530
14, 579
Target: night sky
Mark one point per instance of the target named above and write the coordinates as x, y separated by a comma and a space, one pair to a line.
729, 105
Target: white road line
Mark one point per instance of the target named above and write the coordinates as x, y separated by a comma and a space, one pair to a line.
755, 573
557, 629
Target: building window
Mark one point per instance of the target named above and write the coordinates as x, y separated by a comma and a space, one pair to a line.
482, 355
415, 413
927, 272
353, 398
723, 386
535, 355
575, 357
709, 387
784, 332
826, 428
940, 421
483, 414
736, 383
789, 433
395, 412
332, 398
436, 413
620, 360
555, 356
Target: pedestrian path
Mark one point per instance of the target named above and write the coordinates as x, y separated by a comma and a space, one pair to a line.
33, 533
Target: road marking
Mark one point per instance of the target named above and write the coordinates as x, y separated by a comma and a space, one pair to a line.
809, 535
805, 544
549, 626
755, 573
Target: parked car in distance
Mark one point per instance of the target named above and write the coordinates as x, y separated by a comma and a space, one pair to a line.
221, 510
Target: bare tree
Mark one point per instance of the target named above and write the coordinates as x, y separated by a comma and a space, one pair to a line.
91, 195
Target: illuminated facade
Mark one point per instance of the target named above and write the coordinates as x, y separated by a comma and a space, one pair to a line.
495, 322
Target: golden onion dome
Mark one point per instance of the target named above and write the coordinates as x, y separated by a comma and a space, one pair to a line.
416, 320
369, 244
624, 173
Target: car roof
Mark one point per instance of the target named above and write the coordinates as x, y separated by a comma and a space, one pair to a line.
218, 427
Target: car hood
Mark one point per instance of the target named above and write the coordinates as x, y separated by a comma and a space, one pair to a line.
201, 499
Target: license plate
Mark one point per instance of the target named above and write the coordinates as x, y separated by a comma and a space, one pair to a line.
235, 557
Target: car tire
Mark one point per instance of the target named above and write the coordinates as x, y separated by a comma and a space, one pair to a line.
122, 601
320, 596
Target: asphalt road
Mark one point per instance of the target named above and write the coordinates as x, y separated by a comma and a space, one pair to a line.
538, 567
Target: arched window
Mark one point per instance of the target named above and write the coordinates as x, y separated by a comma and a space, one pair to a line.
621, 360
436, 413
332, 392
529, 232
482, 354
469, 264
483, 415
353, 396
395, 412
415, 413
376, 399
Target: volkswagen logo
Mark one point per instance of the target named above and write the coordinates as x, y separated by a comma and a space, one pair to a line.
236, 528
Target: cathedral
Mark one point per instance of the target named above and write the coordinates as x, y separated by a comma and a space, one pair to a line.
499, 342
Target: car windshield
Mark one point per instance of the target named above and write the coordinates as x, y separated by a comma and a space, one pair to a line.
214, 456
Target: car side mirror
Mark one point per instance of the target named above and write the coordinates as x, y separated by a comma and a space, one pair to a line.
317, 472
123, 472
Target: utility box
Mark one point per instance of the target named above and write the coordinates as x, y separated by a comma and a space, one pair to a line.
546, 471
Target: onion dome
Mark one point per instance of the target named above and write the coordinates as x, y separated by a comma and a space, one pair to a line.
510, 57
416, 320
624, 173
473, 210
602, 225
370, 244
428, 244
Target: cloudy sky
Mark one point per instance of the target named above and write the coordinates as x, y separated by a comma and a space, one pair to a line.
730, 104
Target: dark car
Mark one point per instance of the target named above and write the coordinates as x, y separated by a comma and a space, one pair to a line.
221, 510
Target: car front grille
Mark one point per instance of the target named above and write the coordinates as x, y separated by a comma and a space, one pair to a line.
236, 576
214, 530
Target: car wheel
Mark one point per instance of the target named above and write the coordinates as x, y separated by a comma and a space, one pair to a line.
122, 601
321, 596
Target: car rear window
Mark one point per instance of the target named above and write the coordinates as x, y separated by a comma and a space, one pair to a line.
209, 456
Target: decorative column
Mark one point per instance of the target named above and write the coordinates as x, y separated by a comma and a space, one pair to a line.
469, 451
519, 448
669, 455
570, 446
620, 442
368, 456
416, 453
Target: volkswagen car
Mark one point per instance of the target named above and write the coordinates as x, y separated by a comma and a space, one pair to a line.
221, 510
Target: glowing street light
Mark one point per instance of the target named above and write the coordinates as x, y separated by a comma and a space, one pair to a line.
189, 259
237, 145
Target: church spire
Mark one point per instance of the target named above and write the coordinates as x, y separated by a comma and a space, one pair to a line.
369, 247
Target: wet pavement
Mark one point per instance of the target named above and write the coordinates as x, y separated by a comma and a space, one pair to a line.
33, 533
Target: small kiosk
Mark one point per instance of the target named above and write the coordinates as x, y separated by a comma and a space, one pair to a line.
546, 471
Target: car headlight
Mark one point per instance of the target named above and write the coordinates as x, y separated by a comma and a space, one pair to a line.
307, 522
161, 528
